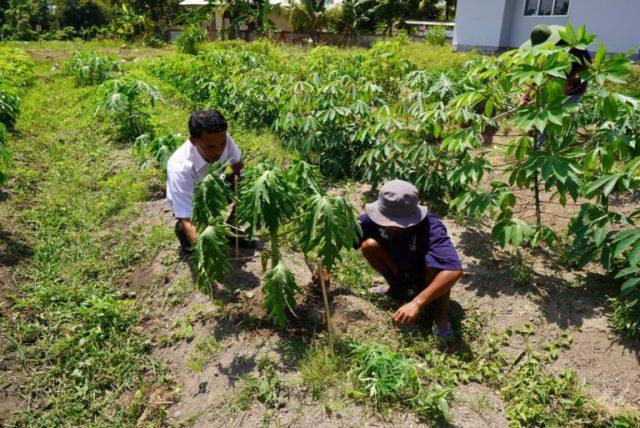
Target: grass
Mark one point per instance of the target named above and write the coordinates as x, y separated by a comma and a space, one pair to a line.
206, 348
75, 193
265, 388
77, 197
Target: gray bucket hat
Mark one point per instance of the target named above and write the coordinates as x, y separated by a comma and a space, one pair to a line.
397, 205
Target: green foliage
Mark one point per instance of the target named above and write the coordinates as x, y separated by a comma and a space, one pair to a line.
16, 69
210, 255
126, 102
328, 225
5, 156
266, 389
386, 377
90, 68
189, 40
211, 199
279, 289
625, 318
383, 373
267, 198
436, 36
157, 150
9, 109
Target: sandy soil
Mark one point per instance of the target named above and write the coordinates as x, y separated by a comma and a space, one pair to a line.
556, 301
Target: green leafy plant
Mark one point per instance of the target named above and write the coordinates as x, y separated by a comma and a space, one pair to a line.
328, 224
279, 289
436, 36
9, 109
212, 197
90, 68
157, 150
210, 255
383, 373
189, 40
5, 156
267, 200
126, 102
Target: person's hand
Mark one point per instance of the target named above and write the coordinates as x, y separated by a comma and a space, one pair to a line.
325, 276
406, 314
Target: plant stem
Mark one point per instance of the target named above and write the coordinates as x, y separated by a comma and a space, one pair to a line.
325, 298
275, 248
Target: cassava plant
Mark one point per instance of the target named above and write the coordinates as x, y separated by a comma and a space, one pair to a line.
90, 68
126, 102
157, 150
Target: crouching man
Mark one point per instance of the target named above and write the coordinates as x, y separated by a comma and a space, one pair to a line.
410, 248
208, 143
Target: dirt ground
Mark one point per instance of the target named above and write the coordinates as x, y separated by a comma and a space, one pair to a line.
558, 300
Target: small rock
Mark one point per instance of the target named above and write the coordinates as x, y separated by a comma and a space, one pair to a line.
237, 292
249, 294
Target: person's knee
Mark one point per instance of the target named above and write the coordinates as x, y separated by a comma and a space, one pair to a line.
370, 247
456, 275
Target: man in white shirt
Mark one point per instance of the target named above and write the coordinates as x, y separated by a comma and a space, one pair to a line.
208, 142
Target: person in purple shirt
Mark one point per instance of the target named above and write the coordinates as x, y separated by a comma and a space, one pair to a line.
410, 248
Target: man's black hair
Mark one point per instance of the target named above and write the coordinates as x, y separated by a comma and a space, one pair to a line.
211, 121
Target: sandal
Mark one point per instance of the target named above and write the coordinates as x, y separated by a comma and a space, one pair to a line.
442, 333
380, 290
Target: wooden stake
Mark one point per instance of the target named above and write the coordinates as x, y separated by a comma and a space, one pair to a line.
327, 314
235, 219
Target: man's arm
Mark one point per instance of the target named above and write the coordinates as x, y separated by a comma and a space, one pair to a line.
189, 230
440, 286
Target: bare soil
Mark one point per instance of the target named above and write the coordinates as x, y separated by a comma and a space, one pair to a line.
557, 300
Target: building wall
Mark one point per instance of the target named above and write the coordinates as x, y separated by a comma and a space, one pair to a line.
501, 24
616, 22
479, 24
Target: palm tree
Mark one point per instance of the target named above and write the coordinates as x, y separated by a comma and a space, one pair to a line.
308, 15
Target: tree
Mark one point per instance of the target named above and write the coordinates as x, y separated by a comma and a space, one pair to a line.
80, 14
254, 15
309, 15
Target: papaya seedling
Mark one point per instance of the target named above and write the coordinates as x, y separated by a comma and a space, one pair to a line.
267, 200
328, 225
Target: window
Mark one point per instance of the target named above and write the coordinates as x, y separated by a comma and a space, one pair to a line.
546, 7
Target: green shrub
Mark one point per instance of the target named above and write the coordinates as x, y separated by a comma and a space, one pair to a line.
90, 68
384, 374
126, 102
4, 154
625, 318
190, 39
9, 109
436, 37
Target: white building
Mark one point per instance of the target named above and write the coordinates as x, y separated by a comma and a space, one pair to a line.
493, 25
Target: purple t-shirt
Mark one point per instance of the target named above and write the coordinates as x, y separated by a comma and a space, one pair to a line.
426, 244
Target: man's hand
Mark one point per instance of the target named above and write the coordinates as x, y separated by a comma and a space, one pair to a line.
407, 313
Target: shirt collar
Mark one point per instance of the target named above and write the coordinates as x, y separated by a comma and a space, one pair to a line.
196, 158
